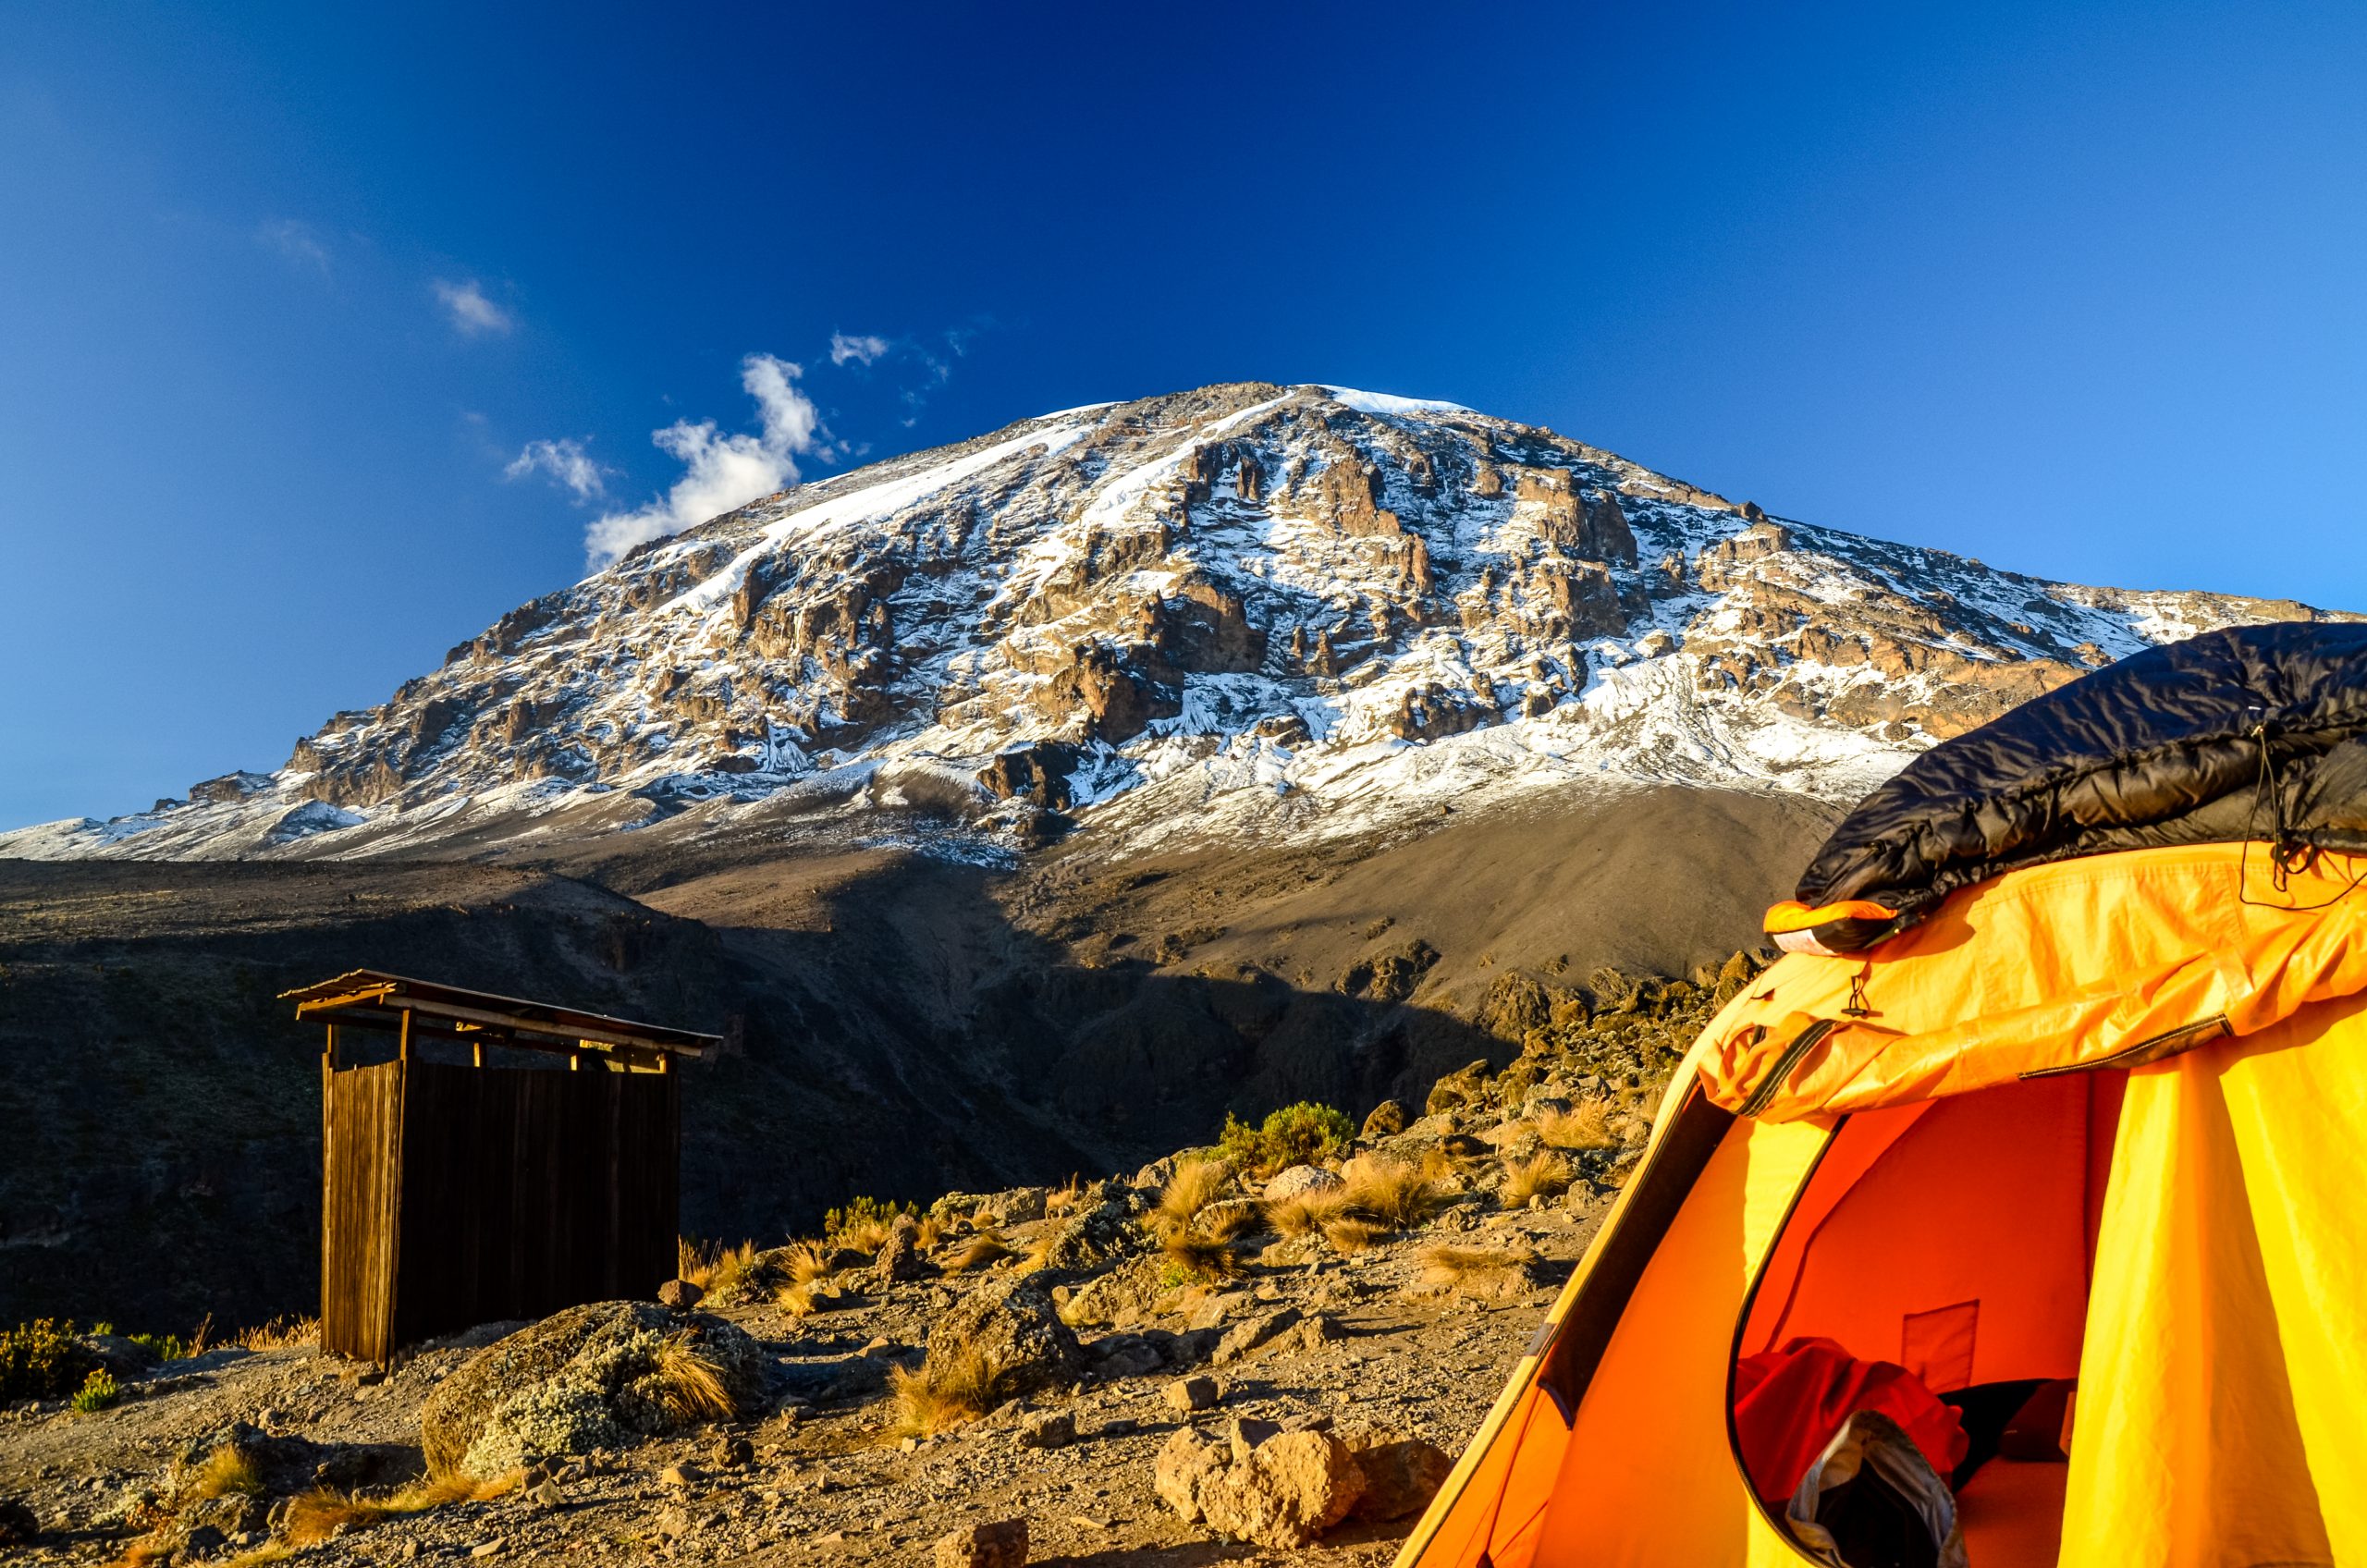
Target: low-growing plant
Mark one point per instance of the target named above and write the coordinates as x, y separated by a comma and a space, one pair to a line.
98, 1391
1064, 1198
689, 1382
1467, 1269
1353, 1233
1306, 1213
1395, 1192
713, 1267
229, 1469
946, 1392
864, 1224
805, 1262
1585, 1126
1195, 1185
1295, 1134
43, 1360
279, 1333
981, 1251
929, 1230
317, 1515
1542, 1175
1199, 1257
1226, 1223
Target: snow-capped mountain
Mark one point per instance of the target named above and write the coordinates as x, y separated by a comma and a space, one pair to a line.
1304, 610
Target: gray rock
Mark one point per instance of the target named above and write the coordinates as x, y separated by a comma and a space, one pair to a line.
1261, 1484
680, 1296
1248, 1334
901, 1258
1384, 1121
1300, 1180
1010, 1322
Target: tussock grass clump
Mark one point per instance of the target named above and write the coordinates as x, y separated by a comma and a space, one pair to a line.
981, 1251
1583, 1127
689, 1382
1195, 1185
1296, 1134
1064, 1198
1353, 1233
1225, 1224
804, 1263
229, 1469
1393, 1191
1307, 1213
1542, 1175
1493, 1269
946, 1392
929, 1230
1199, 1257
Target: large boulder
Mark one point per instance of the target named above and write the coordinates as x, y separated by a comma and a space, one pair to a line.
590, 1376
1278, 1488
1013, 1326
1101, 1231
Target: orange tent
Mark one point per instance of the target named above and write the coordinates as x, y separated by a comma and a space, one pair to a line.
2101, 1118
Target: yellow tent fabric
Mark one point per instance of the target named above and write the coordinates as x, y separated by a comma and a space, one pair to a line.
2210, 1210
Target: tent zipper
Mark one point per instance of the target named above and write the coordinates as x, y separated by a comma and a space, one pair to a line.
1802, 1042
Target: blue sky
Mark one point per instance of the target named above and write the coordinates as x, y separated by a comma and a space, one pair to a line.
287, 293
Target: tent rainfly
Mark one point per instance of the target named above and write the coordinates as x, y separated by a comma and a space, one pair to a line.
453, 1195
2012, 1218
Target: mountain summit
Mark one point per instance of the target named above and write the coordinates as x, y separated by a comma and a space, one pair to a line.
1305, 611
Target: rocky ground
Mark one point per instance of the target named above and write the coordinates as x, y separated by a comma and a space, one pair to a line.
1196, 1364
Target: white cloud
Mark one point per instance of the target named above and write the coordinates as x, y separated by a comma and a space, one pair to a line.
863, 348
473, 314
719, 472
567, 463
299, 243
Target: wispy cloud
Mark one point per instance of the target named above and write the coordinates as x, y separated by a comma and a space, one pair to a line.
861, 349
298, 243
721, 471
566, 462
473, 314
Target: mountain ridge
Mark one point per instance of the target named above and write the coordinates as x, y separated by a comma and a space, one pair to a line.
1281, 612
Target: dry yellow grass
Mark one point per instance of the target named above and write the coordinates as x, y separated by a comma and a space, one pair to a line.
983, 1250
711, 1265
806, 1262
1307, 1213
1353, 1233
1542, 1175
931, 1230
229, 1469
1202, 1258
1587, 1125
1467, 1268
1226, 1223
1195, 1185
281, 1333
1393, 1191
691, 1383
317, 1515
1061, 1199
945, 1392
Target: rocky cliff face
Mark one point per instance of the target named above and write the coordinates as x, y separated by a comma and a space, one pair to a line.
1298, 611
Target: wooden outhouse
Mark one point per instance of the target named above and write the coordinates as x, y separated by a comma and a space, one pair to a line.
483, 1158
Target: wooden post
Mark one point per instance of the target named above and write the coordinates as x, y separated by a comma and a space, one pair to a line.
402, 1045
665, 1061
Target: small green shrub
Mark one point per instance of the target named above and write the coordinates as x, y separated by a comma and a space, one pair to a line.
97, 1392
42, 1360
163, 1347
1296, 1134
864, 1222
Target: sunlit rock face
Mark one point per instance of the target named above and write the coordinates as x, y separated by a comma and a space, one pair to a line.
1249, 609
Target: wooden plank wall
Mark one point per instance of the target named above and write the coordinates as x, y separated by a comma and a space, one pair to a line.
361, 1155
525, 1192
